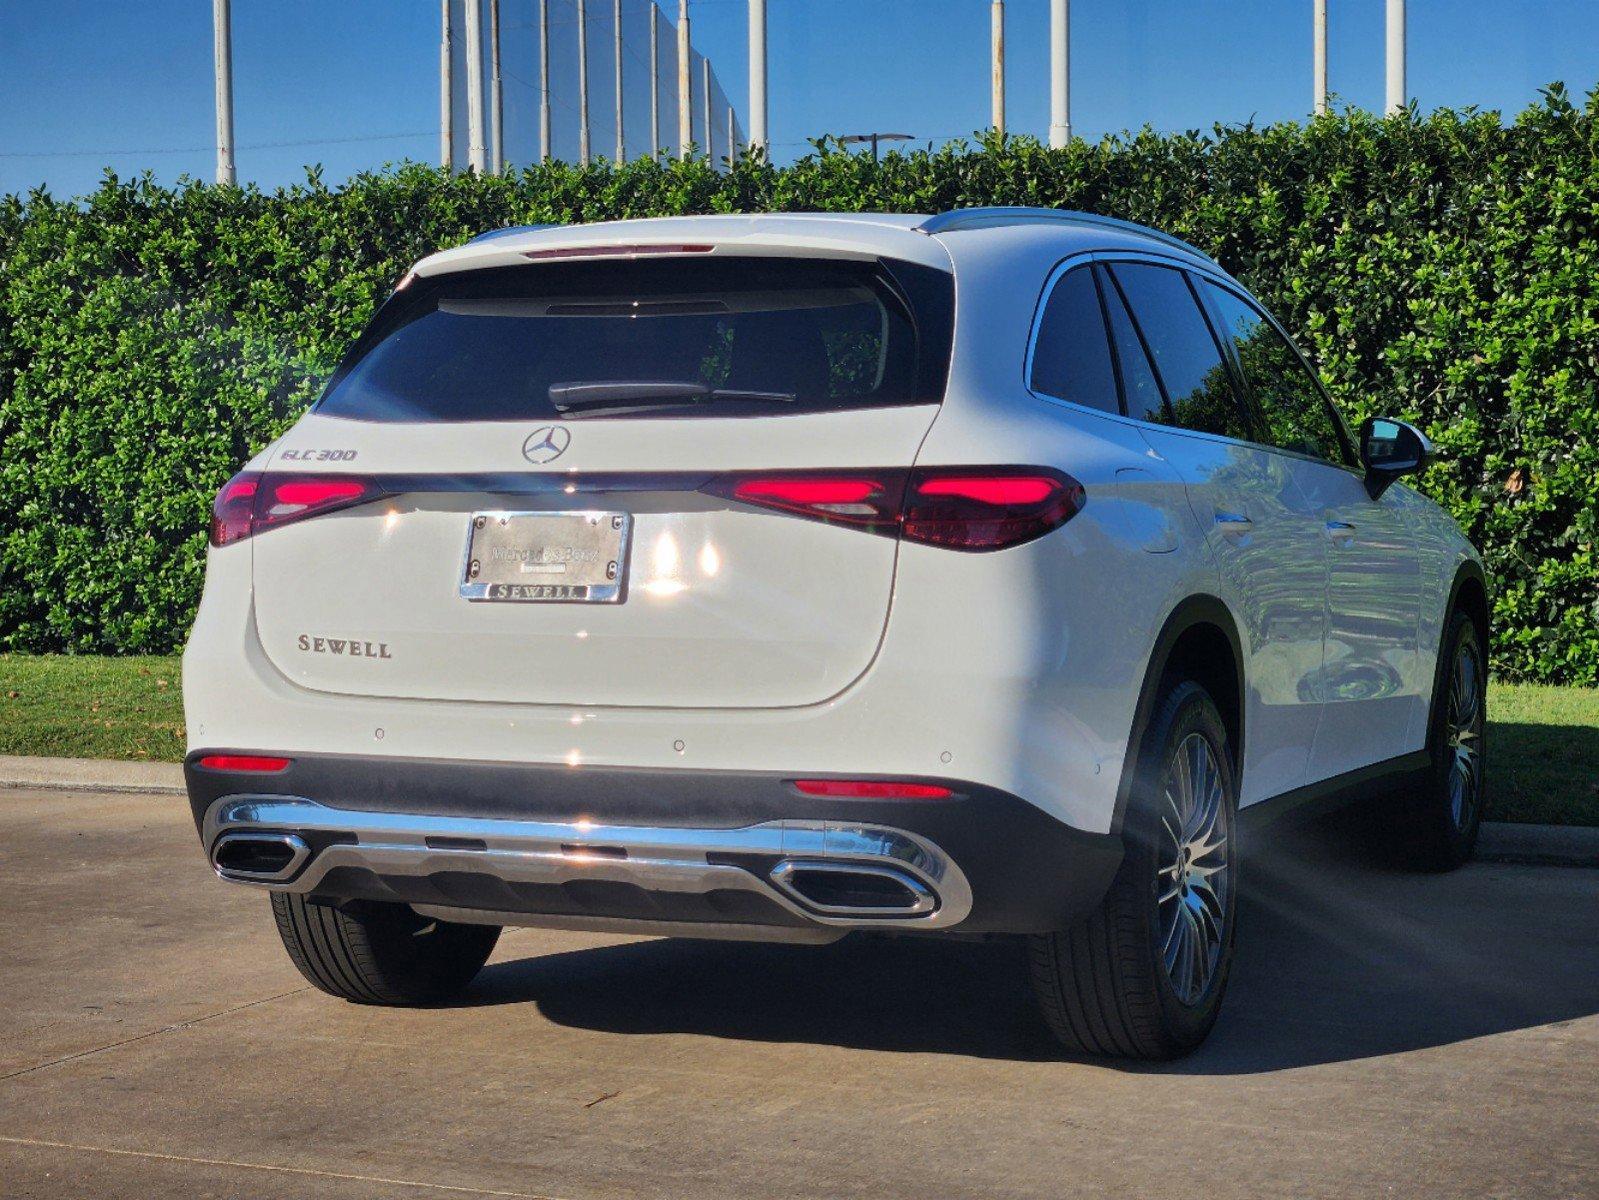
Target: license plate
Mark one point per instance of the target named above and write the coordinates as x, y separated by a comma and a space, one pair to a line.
547, 558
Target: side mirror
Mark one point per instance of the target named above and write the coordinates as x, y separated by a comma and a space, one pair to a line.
1389, 449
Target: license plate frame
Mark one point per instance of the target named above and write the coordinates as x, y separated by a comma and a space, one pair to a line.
527, 556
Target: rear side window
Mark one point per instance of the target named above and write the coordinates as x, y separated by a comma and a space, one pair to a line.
662, 337
1187, 359
1293, 409
1071, 356
1139, 385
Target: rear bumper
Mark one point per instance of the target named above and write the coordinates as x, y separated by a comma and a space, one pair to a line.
728, 853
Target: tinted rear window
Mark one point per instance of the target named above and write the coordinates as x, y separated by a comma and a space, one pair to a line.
1071, 356
667, 337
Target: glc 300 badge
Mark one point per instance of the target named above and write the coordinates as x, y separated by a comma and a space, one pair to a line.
349, 647
546, 443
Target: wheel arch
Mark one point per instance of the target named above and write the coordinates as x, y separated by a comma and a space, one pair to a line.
1200, 641
1468, 593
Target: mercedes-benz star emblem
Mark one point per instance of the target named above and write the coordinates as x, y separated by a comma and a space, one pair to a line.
546, 443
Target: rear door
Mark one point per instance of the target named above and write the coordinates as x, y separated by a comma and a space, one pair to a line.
555, 446
1265, 539
1370, 683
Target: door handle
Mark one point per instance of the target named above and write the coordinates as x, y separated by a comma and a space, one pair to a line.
1341, 532
1229, 522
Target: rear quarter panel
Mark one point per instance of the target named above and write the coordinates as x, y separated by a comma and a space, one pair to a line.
1058, 631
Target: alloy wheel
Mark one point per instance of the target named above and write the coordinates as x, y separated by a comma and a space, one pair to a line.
1194, 878
1463, 732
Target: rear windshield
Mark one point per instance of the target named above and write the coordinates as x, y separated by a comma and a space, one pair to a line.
666, 337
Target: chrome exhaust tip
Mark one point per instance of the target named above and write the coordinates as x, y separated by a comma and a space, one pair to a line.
259, 857
853, 889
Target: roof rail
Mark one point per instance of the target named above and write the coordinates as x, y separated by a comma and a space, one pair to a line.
984, 218
495, 234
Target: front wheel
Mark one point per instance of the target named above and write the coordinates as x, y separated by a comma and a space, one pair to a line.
1442, 815
377, 953
1143, 976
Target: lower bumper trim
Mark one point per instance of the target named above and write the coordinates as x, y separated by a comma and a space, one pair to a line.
579, 869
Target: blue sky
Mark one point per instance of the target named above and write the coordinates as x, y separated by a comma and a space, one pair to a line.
353, 83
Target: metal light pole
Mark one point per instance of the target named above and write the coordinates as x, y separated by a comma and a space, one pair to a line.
705, 97
996, 15
1320, 87
1060, 67
757, 112
621, 140
474, 87
446, 89
1396, 55
496, 97
685, 77
222, 50
582, 83
655, 79
544, 80
732, 137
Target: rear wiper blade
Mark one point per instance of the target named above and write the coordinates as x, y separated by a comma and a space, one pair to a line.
575, 397
637, 395
749, 396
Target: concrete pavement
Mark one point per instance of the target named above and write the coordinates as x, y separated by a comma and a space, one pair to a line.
1385, 1033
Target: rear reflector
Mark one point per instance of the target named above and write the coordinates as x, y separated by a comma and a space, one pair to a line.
244, 762
253, 502
872, 789
983, 508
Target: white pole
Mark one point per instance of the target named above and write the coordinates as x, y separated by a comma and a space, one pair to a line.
582, 83
1321, 58
222, 49
996, 14
655, 79
732, 136
496, 96
621, 140
1060, 69
1396, 55
474, 86
757, 113
544, 80
705, 99
446, 89
685, 77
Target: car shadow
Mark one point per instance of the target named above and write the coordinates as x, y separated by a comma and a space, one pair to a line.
1341, 956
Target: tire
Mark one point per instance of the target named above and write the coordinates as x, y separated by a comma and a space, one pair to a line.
1440, 817
373, 953
1109, 985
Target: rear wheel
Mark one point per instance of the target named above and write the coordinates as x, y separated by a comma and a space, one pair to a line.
375, 953
1143, 976
1442, 816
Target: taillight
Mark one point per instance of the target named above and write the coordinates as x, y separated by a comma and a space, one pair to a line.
253, 502
872, 789
986, 508
868, 500
230, 513
982, 510
256, 763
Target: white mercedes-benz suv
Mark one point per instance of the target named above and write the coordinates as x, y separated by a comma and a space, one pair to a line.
783, 576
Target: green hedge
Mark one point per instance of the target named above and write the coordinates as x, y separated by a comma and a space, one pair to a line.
1441, 267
